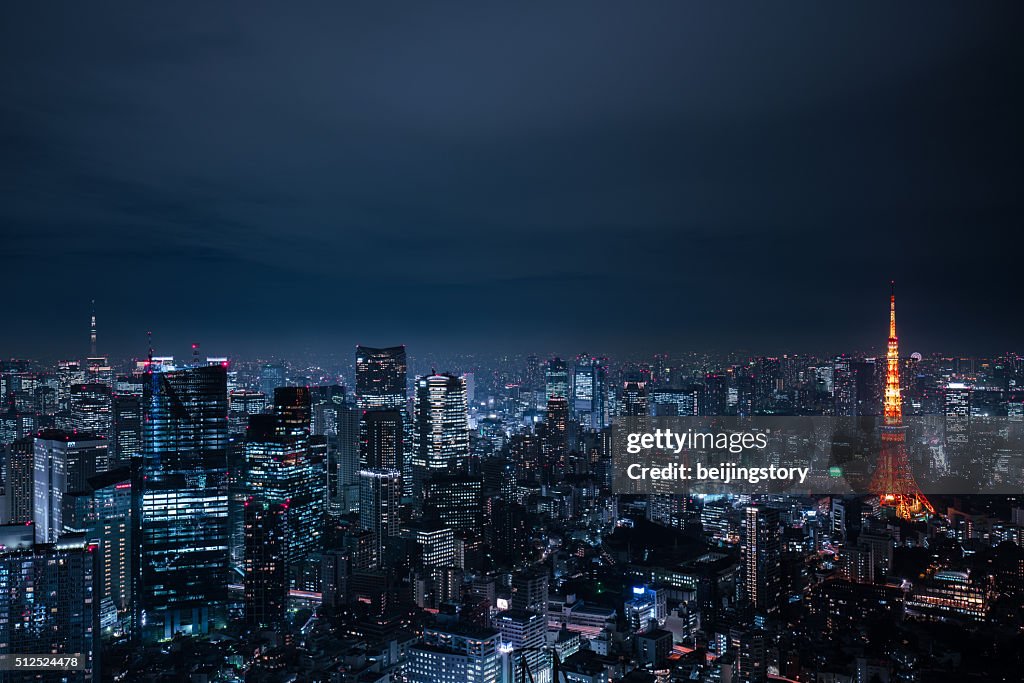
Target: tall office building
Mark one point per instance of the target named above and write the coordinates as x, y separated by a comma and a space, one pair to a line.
265, 583
380, 439
20, 483
868, 383
48, 602
530, 591
844, 388
91, 409
762, 557
241, 404
63, 462
589, 393
102, 511
956, 400
456, 653
556, 379
283, 468
380, 493
271, 377
182, 503
713, 400
344, 497
126, 433
441, 429
634, 399
381, 378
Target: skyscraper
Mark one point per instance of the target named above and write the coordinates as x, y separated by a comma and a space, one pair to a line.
63, 463
556, 378
380, 492
182, 503
126, 433
634, 399
380, 378
265, 584
48, 602
102, 511
20, 484
762, 556
91, 408
380, 439
271, 377
283, 468
589, 390
441, 430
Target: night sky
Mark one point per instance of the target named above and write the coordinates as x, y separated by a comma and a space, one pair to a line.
630, 176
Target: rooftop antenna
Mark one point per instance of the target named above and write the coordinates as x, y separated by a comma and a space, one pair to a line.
195, 353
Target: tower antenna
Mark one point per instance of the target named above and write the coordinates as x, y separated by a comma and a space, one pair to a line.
92, 331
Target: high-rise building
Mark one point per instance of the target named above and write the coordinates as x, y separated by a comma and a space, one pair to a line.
91, 409
48, 602
344, 496
63, 463
380, 493
556, 379
381, 378
456, 653
182, 503
441, 430
530, 591
20, 484
957, 412
556, 434
126, 433
241, 404
634, 399
271, 377
713, 400
762, 557
103, 513
265, 584
283, 468
380, 439
844, 388
589, 392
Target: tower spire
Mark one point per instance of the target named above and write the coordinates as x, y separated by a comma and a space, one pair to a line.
893, 400
92, 331
892, 309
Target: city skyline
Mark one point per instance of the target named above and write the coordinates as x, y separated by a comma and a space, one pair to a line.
577, 342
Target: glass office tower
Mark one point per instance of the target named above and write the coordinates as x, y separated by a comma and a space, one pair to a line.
182, 503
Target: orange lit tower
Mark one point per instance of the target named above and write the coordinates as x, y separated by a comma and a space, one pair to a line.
893, 481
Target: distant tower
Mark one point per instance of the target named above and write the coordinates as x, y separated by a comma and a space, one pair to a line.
893, 481
92, 331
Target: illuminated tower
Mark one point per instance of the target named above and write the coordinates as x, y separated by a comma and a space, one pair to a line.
92, 331
893, 481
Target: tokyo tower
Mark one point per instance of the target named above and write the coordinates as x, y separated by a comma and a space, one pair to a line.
893, 481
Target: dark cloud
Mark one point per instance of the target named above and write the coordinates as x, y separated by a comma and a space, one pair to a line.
468, 176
